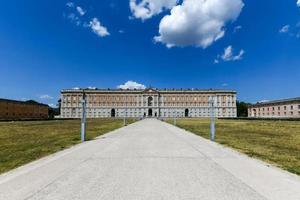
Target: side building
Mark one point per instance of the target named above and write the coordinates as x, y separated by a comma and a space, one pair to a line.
17, 110
151, 102
285, 108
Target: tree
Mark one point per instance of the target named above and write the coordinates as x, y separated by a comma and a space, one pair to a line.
242, 109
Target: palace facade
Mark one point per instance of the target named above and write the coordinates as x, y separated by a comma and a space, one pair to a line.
17, 110
284, 108
104, 103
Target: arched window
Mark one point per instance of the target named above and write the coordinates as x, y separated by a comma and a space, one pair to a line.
150, 101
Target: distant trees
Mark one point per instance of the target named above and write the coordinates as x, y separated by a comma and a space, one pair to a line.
59, 105
242, 109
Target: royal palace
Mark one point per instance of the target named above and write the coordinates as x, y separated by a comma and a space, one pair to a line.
150, 102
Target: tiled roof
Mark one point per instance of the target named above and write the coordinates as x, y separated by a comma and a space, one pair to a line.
297, 99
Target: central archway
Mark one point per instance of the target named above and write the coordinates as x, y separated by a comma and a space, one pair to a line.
186, 113
150, 112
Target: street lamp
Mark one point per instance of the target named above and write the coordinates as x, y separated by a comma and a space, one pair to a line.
125, 112
83, 117
212, 119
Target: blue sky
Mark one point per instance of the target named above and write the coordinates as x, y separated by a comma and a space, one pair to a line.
46, 46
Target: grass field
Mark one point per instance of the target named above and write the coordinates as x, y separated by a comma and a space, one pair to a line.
23, 142
277, 142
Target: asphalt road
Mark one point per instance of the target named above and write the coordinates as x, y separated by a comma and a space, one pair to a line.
149, 160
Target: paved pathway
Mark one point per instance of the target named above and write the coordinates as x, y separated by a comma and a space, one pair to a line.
149, 160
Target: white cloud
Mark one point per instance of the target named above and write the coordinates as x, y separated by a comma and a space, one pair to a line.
198, 22
92, 88
145, 9
263, 101
70, 4
224, 84
75, 19
97, 28
52, 105
285, 28
46, 96
132, 85
298, 3
80, 11
121, 31
237, 28
228, 54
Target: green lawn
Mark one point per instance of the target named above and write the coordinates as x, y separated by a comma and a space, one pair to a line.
277, 142
23, 142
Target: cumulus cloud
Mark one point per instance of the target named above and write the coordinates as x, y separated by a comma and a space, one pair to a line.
298, 3
285, 28
145, 9
80, 11
97, 28
131, 85
46, 96
197, 22
228, 55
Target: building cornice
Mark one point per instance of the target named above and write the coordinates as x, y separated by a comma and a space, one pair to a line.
148, 90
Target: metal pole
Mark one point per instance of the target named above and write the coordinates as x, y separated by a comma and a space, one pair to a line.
175, 121
212, 120
124, 118
125, 113
83, 118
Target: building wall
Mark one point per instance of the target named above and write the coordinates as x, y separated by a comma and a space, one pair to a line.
280, 110
14, 110
149, 103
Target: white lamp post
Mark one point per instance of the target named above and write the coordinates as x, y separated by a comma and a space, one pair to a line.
83, 117
212, 118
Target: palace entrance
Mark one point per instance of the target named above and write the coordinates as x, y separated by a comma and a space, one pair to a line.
113, 113
186, 113
150, 114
